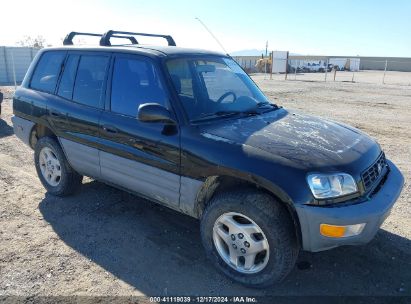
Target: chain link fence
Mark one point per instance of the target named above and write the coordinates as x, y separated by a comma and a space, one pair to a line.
350, 70
14, 62
248, 63
396, 71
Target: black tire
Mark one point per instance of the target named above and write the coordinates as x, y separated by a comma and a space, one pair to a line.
70, 180
276, 224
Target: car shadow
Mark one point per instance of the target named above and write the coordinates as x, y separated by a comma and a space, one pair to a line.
5, 129
158, 251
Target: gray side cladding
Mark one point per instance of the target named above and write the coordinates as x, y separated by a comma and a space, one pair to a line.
152, 182
22, 128
188, 195
82, 158
158, 184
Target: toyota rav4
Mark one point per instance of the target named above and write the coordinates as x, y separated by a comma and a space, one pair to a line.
189, 129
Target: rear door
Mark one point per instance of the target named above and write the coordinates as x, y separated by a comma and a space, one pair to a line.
36, 101
142, 157
81, 95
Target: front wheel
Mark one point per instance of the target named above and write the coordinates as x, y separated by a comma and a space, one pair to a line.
250, 237
53, 169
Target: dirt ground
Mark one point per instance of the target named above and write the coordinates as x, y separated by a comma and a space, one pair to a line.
103, 241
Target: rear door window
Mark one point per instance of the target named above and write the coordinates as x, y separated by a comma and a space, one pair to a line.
67, 79
91, 73
47, 71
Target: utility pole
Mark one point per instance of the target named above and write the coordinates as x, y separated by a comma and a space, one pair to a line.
266, 59
326, 70
385, 71
14, 69
272, 60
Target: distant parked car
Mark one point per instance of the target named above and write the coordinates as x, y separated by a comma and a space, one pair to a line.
313, 67
292, 69
339, 68
325, 67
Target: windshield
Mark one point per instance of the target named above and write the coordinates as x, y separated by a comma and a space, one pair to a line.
213, 87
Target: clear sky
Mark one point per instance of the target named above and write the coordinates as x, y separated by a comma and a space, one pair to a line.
316, 27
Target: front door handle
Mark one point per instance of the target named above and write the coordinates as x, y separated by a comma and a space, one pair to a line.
110, 129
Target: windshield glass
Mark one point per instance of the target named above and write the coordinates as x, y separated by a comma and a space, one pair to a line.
213, 86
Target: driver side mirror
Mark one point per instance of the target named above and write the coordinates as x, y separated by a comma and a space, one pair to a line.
154, 112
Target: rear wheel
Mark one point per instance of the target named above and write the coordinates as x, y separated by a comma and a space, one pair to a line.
250, 237
53, 169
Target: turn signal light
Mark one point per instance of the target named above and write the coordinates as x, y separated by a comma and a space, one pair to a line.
332, 231
341, 231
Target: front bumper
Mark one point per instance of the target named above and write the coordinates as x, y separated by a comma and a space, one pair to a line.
372, 212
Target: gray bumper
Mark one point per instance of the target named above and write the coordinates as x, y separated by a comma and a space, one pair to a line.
22, 128
372, 212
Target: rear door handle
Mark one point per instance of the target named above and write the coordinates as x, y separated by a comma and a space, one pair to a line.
110, 129
55, 113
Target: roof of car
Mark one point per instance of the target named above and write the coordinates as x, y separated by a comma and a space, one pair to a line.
153, 50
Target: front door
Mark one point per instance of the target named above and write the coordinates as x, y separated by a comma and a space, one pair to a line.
142, 157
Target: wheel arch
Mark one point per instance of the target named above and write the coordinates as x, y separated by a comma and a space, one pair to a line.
217, 184
38, 131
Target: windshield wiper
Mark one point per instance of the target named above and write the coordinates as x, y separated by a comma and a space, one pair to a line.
221, 114
229, 113
250, 111
272, 106
266, 103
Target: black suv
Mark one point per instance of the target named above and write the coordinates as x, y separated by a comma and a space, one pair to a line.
189, 129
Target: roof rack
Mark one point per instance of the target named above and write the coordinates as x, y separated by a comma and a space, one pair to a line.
69, 38
105, 39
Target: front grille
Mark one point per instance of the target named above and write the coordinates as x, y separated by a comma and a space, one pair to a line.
373, 173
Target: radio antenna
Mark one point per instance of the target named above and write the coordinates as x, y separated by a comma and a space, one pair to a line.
212, 35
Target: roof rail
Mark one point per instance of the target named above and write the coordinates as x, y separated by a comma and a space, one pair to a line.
69, 38
105, 39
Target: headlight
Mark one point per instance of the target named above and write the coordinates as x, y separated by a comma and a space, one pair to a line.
331, 185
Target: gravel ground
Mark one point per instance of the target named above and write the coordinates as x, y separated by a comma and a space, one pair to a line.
105, 242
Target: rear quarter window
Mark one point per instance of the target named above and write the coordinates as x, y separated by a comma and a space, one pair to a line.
47, 71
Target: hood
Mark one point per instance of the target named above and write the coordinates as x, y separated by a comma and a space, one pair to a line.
305, 140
